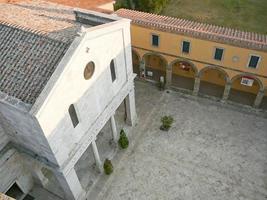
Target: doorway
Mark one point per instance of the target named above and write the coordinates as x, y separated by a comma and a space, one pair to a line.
15, 192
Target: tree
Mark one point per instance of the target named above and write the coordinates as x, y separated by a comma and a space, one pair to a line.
151, 6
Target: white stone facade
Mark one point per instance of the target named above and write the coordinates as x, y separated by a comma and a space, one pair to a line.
44, 136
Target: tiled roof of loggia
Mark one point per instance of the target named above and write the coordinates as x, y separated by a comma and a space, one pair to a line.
204, 31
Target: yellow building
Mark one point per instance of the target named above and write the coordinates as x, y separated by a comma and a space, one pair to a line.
206, 59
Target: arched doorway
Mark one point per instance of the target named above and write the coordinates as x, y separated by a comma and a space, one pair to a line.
183, 74
213, 81
155, 66
136, 62
244, 89
264, 101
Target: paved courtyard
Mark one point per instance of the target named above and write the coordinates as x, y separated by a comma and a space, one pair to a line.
213, 151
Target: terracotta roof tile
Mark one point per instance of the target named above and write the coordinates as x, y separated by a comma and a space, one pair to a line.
214, 33
27, 60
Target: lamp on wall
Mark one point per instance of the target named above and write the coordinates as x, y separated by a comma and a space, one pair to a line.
184, 66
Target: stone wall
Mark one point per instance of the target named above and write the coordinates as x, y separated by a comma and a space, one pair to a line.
4, 138
23, 130
12, 170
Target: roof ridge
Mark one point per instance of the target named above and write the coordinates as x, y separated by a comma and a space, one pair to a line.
31, 30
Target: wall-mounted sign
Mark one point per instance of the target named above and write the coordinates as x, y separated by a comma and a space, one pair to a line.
247, 81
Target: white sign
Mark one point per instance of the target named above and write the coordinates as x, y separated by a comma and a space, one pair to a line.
247, 81
149, 73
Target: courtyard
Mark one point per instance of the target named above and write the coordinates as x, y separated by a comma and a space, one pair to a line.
213, 151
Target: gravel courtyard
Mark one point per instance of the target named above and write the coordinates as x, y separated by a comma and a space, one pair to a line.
212, 152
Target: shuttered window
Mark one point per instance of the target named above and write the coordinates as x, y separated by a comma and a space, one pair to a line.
218, 54
155, 40
253, 62
186, 47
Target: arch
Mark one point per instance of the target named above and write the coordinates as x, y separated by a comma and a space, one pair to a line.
183, 74
213, 81
155, 54
214, 68
245, 94
136, 61
185, 60
249, 75
155, 66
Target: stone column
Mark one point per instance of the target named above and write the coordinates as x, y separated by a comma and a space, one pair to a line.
114, 128
142, 68
259, 99
196, 85
168, 76
97, 157
130, 108
71, 185
226, 91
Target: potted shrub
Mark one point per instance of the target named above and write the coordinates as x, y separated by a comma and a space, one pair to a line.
108, 167
166, 123
123, 141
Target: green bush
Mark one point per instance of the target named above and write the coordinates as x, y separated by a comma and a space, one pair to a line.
123, 141
108, 167
166, 123
152, 6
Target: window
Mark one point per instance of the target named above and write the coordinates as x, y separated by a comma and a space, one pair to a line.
155, 40
89, 70
254, 61
186, 47
112, 71
73, 116
218, 54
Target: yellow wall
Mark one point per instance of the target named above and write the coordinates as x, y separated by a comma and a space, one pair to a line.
214, 76
155, 62
178, 71
254, 89
201, 51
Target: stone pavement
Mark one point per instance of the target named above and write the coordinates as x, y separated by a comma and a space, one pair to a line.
213, 151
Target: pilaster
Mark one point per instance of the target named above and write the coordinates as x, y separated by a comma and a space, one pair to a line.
196, 85
259, 99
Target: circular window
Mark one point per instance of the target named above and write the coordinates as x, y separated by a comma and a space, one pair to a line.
89, 70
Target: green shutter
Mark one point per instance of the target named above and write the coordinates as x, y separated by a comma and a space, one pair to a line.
218, 54
155, 40
186, 47
253, 61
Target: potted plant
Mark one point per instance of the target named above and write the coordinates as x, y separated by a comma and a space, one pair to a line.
123, 140
108, 167
166, 123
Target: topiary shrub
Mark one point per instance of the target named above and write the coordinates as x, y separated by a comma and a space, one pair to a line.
123, 141
108, 167
166, 123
